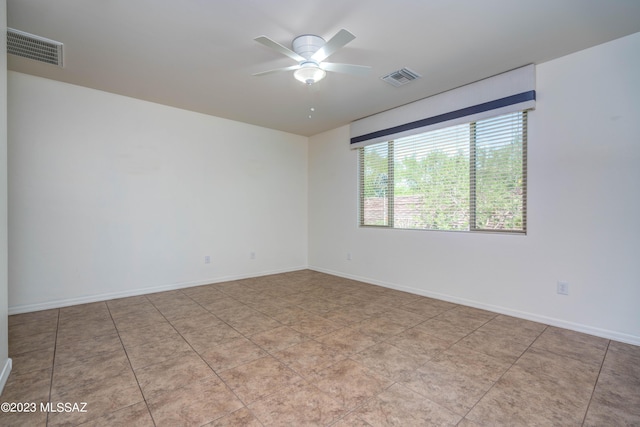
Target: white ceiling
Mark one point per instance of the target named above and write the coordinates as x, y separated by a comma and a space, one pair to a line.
199, 54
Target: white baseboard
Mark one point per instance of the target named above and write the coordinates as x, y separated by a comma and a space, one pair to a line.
603, 333
28, 308
4, 375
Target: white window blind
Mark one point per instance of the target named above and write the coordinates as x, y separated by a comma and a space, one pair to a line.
470, 176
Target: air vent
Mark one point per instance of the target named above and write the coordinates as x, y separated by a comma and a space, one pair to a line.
401, 77
34, 47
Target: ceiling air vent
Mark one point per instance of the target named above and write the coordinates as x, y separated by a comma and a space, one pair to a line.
401, 77
34, 47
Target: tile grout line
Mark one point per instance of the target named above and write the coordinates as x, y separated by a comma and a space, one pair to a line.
505, 372
584, 418
207, 363
53, 363
130, 365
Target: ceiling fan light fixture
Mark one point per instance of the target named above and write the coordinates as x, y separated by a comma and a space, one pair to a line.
309, 73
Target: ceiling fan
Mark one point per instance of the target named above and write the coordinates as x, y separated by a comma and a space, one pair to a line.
310, 51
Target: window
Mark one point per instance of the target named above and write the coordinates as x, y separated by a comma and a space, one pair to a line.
468, 177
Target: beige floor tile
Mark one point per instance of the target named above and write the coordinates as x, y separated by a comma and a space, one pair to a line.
347, 341
172, 374
345, 316
567, 373
26, 343
380, 328
77, 350
152, 352
297, 405
616, 398
602, 415
404, 317
136, 415
258, 378
203, 340
232, 353
520, 398
443, 330
258, 299
351, 420
369, 308
24, 419
139, 306
308, 357
95, 311
173, 312
501, 347
622, 359
388, 360
237, 313
576, 345
33, 386
399, 406
450, 388
139, 336
253, 323
105, 383
468, 423
286, 315
471, 363
196, 404
428, 307
350, 383
26, 329
32, 361
278, 338
219, 304
196, 292
139, 320
81, 329
314, 326
197, 322
518, 329
417, 342
34, 316
123, 304
307, 348
319, 305
467, 318
175, 296
240, 418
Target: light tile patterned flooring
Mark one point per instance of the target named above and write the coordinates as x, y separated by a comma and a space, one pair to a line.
306, 348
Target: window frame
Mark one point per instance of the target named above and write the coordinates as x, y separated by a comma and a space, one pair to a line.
472, 185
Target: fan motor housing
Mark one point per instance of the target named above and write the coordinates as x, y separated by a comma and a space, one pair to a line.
306, 45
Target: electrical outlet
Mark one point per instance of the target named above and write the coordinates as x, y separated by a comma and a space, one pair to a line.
252, 255
348, 256
207, 259
563, 288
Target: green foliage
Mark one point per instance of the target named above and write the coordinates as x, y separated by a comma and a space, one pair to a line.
442, 182
499, 187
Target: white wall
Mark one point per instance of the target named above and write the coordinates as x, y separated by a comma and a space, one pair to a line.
112, 196
5, 362
583, 210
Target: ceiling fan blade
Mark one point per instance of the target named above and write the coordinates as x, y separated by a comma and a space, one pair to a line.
277, 70
279, 48
356, 70
336, 42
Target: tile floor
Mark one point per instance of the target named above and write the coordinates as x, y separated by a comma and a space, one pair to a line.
306, 348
